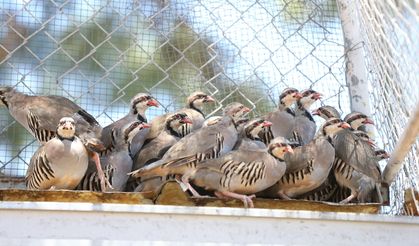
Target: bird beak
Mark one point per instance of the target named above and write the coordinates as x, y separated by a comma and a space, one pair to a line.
145, 125
68, 126
315, 112
153, 102
246, 110
298, 95
266, 123
386, 155
288, 149
371, 143
368, 121
344, 125
317, 96
186, 120
209, 99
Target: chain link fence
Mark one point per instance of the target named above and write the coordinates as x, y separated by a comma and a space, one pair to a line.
100, 53
391, 32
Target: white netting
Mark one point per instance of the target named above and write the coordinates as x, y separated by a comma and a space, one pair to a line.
391, 33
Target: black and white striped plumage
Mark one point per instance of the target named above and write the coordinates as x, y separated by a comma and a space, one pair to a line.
41, 114
237, 174
138, 105
156, 148
355, 165
282, 118
309, 166
205, 143
117, 162
60, 163
249, 138
303, 126
193, 110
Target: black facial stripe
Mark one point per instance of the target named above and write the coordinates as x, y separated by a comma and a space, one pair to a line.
286, 93
356, 117
308, 92
3, 100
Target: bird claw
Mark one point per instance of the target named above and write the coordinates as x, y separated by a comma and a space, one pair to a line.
105, 185
347, 200
247, 200
200, 196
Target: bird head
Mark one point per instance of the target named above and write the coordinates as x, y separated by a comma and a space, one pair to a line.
289, 96
141, 102
132, 129
4, 93
332, 126
212, 121
278, 147
198, 99
255, 126
309, 96
236, 110
382, 154
364, 137
176, 120
357, 119
326, 112
66, 128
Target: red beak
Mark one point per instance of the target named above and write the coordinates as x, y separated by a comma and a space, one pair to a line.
68, 126
186, 120
371, 143
266, 123
298, 95
288, 149
152, 102
315, 112
145, 125
344, 125
368, 121
317, 96
209, 99
246, 109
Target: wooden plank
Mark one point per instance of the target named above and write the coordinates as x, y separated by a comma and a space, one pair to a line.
411, 202
75, 196
171, 194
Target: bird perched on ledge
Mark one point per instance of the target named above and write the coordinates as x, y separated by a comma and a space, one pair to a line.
238, 174
309, 165
116, 162
40, 115
60, 163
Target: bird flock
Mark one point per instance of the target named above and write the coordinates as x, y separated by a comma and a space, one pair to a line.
279, 155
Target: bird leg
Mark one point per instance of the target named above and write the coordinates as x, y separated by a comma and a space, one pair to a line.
247, 200
348, 199
103, 180
283, 196
185, 185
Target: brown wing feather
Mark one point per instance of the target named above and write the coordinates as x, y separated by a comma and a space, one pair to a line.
357, 153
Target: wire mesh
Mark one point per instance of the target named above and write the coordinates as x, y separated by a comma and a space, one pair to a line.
391, 32
101, 53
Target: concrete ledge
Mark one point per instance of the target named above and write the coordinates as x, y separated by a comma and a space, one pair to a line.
29, 223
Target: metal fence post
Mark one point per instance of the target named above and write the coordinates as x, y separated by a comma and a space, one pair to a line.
356, 72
